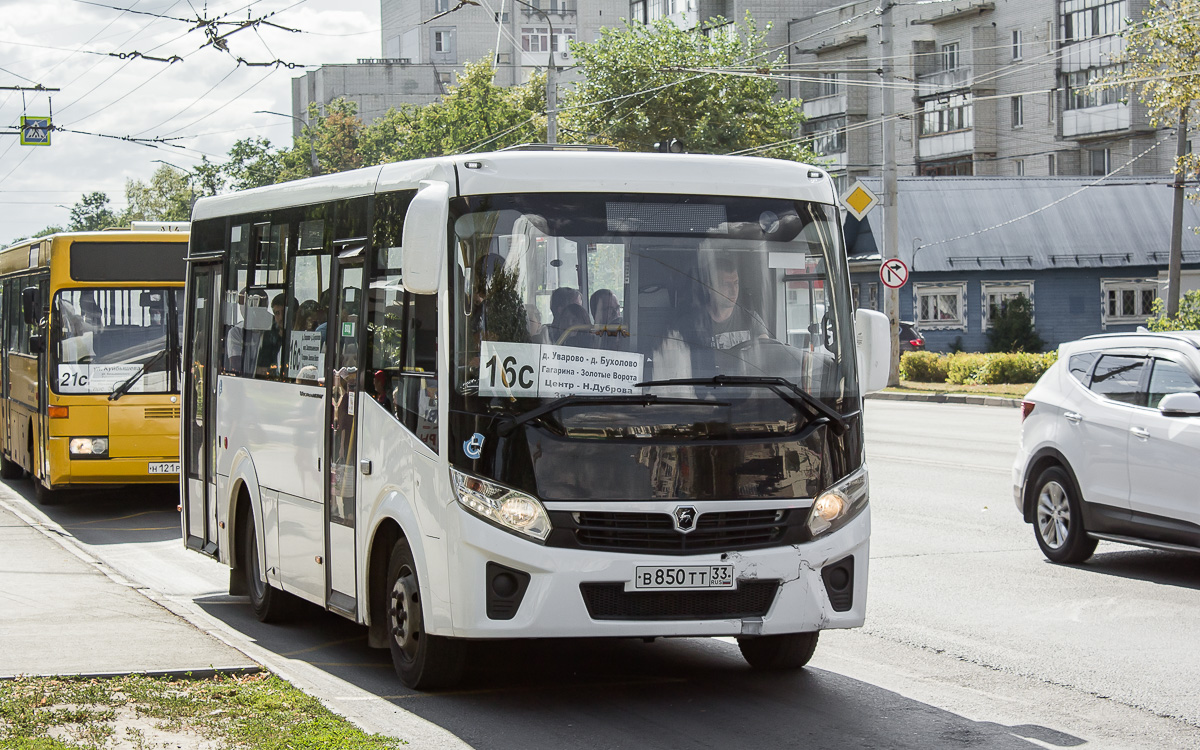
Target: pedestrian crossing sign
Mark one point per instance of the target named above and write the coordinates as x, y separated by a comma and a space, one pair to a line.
35, 131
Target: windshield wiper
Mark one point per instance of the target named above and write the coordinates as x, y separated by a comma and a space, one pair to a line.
799, 398
123, 388
508, 423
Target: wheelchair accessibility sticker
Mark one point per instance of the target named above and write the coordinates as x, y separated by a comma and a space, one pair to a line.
473, 447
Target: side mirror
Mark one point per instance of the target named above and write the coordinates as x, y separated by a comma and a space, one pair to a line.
31, 305
37, 344
1180, 405
873, 340
426, 237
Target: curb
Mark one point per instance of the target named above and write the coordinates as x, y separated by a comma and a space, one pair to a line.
947, 398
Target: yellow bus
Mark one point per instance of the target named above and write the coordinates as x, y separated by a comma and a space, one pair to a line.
89, 358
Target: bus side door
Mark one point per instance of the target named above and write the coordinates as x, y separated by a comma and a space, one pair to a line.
198, 474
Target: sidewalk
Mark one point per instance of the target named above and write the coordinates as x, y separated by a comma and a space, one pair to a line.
62, 614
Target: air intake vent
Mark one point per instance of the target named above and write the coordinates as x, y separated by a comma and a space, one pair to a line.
162, 412
610, 601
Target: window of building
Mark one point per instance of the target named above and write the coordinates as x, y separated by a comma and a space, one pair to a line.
940, 305
1017, 105
947, 114
535, 39
445, 78
1019, 167
441, 6
1016, 44
1051, 106
830, 85
997, 294
1099, 161
637, 11
829, 135
1084, 19
1051, 165
1127, 300
441, 41
950, 56
1082, 91
873, 296
501, 17
561, 40
504, 58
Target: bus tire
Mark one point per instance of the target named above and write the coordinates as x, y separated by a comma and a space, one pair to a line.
269, 603
422, 661
773, 652
10, 469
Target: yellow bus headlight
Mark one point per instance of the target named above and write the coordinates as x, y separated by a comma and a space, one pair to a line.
89, 447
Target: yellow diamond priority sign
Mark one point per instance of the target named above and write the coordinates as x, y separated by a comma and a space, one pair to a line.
859, 200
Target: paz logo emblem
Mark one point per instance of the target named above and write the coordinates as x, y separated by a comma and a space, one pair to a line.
474, 446
685, 519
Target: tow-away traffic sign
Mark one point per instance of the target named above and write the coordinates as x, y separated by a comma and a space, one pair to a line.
893, 273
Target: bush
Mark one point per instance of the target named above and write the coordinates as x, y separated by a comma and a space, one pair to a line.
923, 367
1012, 327
1019, 367
963, 367
1188, 318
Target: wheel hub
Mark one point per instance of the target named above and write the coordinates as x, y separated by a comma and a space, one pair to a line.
404, 609
1053, 515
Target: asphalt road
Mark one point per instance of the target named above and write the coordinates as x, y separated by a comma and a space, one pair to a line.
972, 638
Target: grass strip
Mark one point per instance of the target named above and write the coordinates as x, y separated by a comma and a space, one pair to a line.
255, 712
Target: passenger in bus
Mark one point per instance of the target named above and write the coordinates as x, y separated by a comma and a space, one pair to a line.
272, 339
723, 323
576, 328
243, 338
606, 312
562, 298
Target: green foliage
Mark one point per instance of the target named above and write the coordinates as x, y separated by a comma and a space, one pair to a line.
962, 366
923, 367
168, 197
334, 135
640, 85
973, 368
475, 114
506, 318
1012, 327
92, 213
1187, 319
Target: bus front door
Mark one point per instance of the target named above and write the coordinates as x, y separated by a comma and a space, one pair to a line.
344, 383
197, 445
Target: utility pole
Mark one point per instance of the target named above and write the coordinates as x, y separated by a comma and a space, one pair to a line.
551, 79
891, 219
1174, 270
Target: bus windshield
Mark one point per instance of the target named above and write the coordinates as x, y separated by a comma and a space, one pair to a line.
723, 307
102, 337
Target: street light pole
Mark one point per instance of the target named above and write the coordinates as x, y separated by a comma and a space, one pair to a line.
312, 146
551, 80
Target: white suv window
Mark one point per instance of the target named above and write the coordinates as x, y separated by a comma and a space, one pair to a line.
1168, 377
1080, 366
1117, 377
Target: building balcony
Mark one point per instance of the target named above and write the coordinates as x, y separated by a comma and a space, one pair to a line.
943, 81
542, 59
815, 109
563, 9
945, 144
1082, 123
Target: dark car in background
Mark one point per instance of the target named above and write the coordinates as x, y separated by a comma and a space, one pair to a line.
911, 339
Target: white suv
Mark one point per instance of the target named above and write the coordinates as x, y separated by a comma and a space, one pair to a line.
1110, 446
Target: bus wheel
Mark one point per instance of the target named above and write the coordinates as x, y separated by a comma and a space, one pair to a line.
422, 661
789, 651
10, 469
269, 603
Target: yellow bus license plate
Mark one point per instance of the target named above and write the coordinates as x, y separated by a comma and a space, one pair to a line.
163, 468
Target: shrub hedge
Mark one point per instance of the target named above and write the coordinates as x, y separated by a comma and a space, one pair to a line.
974, 368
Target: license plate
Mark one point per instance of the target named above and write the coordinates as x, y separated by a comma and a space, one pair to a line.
163, 468
648, 577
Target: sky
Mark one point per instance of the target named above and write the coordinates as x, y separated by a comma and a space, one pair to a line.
203, 103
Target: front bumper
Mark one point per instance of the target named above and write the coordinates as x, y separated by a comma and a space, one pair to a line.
553, 605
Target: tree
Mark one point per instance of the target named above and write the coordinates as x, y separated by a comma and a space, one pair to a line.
254, 163
475, 114
643, 84
1186, 319
335, 136
92, 213
168, 197
1012, 327
1159, 62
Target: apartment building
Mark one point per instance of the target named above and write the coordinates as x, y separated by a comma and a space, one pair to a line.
982, 88
426, 43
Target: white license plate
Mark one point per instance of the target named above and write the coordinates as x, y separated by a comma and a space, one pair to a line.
163, 468
648, 577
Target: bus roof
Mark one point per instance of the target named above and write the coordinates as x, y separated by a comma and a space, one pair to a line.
544, 172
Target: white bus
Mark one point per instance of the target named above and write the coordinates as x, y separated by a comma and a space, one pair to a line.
534, 394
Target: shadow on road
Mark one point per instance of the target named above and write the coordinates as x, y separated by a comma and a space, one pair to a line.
116, 516
588, 694
1154, 566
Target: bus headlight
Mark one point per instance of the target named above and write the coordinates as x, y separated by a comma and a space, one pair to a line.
511, 510
89, 447
838, 504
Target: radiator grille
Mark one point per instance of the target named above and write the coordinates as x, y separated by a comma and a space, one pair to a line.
655, 532
162, 412
610, 601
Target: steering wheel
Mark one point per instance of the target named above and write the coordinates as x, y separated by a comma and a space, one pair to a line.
751, 343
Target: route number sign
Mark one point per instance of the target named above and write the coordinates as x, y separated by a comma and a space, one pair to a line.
893, 273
